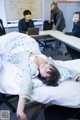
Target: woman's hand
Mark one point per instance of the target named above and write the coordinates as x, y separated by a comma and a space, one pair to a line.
27, 32
54, 29
77, 77
20, 109
21, 116
49, 21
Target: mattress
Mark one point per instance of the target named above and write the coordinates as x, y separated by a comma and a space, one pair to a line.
66, 94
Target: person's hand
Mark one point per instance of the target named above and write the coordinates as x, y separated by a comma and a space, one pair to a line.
49, 21
27, 32
54, 29
20, 109
63, 32
77, 77
21, 116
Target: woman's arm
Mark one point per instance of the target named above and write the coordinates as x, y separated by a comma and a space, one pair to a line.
60, 17
20, 109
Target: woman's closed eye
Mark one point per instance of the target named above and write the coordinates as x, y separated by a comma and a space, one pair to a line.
47, 72
45, 69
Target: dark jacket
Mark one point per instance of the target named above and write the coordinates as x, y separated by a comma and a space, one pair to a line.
22, 26
2, 30
75, 30
60, 21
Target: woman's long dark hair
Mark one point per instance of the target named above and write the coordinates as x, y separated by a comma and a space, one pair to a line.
52, 79
56, 7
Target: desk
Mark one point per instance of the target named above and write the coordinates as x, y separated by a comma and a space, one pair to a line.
71, 41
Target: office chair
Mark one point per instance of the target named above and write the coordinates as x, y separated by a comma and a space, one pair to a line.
47, 39
6, 99
2, 30
47, 26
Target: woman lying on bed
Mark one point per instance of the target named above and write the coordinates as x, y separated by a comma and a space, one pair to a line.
23, 51
39, 66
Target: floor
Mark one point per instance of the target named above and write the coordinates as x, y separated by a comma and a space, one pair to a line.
29, 110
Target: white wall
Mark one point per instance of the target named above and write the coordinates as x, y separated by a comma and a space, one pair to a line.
2, 12
47, 7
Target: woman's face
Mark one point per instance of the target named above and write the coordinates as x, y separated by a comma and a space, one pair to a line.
44, 69
53, 7
75, 18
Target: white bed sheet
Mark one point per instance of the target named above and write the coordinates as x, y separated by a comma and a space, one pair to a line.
66, 94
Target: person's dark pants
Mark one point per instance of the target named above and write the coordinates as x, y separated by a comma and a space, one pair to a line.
55, 112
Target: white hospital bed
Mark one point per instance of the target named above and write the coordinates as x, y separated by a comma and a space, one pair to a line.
66, 94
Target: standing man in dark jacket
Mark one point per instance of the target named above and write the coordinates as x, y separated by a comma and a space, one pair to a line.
57, 17
26, 22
